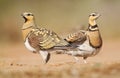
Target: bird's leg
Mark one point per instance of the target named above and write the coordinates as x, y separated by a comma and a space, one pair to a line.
45, 56
84, 59
74, 55
76, 59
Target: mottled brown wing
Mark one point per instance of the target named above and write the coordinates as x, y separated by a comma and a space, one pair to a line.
45, 39
76, 38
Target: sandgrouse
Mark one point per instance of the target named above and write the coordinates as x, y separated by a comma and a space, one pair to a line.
39, 40
86, 43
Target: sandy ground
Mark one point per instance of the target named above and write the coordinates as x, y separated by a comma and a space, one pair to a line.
16, 58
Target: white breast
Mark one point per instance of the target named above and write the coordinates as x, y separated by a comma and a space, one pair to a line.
86, 47
28, 46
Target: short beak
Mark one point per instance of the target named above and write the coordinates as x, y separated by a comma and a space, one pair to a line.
98, 16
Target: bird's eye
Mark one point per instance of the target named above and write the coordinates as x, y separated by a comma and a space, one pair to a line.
28, 14
93, 15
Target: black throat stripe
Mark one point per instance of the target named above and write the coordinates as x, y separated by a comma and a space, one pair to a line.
93, 28
25, 19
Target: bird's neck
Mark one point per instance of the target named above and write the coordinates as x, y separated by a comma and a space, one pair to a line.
92, 26
92, 22
28, 24
27, 28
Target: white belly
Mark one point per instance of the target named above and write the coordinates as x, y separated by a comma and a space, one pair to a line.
27, 45
84, 49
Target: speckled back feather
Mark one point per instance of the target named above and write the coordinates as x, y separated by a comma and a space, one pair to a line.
45, 39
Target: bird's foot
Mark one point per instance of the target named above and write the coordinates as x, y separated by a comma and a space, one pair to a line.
77, 60
85, 61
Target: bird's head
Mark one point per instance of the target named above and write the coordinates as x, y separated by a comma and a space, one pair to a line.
94, 16
28, 16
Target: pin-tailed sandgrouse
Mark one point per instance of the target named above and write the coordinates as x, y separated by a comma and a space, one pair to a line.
39, 40
86, 43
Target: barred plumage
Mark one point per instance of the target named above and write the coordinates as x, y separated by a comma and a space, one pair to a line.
40, 39
46, 39
74, 36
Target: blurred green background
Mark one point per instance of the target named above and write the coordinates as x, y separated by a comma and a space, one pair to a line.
61, 16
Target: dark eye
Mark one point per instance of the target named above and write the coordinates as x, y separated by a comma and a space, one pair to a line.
28, 14
93, 15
